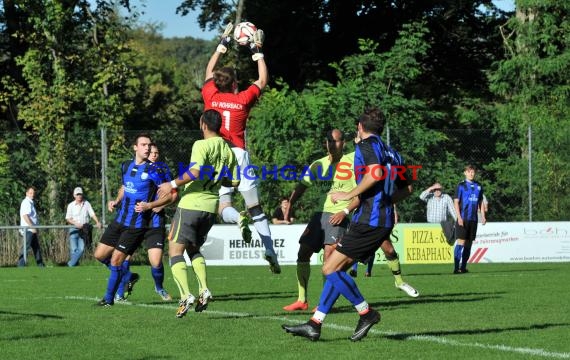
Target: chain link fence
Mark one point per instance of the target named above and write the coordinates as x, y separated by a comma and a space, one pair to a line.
509, 180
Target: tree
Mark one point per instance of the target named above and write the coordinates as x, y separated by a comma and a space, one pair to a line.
304, 37
297, 121
74, 70
170, 75
534, 82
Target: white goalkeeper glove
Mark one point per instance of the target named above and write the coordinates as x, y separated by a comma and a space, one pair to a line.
225, 39
256, 44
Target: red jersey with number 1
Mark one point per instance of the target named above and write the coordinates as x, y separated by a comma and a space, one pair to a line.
234, 109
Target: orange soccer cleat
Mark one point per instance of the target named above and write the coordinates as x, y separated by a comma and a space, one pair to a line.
297, 305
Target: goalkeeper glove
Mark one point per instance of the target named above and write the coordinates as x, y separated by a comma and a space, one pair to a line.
225, 39
256, 45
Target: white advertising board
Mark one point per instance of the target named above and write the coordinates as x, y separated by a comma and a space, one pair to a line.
495, 243
522, 242
224, 246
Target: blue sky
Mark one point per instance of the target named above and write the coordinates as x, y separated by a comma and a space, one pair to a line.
175, 25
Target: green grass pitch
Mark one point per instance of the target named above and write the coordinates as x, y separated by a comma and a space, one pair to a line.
497, 311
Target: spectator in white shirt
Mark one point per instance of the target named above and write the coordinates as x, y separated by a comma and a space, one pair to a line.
439, 205
29, 217
78, 214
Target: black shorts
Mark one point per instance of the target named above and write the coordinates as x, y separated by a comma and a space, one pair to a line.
320, 232
123, 238
362, 240
466, 232
154, 238
191, 226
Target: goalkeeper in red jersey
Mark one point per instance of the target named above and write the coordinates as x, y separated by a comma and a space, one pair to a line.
220, 93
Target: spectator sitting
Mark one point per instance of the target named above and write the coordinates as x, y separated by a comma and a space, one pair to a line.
279, 213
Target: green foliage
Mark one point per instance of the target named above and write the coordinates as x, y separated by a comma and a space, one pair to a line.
287, 128
534, 82
171, 74
74, 71
69, 68
296, 122
4, 165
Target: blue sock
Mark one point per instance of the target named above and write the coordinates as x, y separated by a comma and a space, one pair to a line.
126, 267
344, 284
329, 295
106, 262
355, 266
158, 276
113, 283
465, 255
457, 254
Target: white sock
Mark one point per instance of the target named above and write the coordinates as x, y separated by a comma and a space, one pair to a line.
262, 227
319, 316
230, 215
361, 307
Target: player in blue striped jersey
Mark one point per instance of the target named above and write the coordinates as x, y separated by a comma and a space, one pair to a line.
140, 181
468, 201
395, 164
154, 238
372, 224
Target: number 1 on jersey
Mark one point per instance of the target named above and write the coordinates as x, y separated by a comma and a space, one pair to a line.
226, 115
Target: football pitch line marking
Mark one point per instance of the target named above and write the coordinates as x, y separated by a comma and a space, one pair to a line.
433, 339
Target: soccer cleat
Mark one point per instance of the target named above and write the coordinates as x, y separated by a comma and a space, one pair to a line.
131, 284
310, 330
273, 263
119, 298
103, 303
367, 274
297, 305
203, 300
364, 324
408, 289
353, 273
164, 295
185, 305
243, 223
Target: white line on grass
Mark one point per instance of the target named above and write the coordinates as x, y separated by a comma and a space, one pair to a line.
426, 338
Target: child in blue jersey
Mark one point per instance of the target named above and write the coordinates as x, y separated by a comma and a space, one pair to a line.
468, 202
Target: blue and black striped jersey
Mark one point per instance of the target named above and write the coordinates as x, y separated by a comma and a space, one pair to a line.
470, 195
140, 183
376, 208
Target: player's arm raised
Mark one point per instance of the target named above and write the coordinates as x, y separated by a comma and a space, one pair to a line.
222, 47
256, 48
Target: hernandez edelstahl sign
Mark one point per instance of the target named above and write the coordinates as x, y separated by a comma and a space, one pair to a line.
415, 244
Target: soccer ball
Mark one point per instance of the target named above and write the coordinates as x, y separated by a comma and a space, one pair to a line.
243, 32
